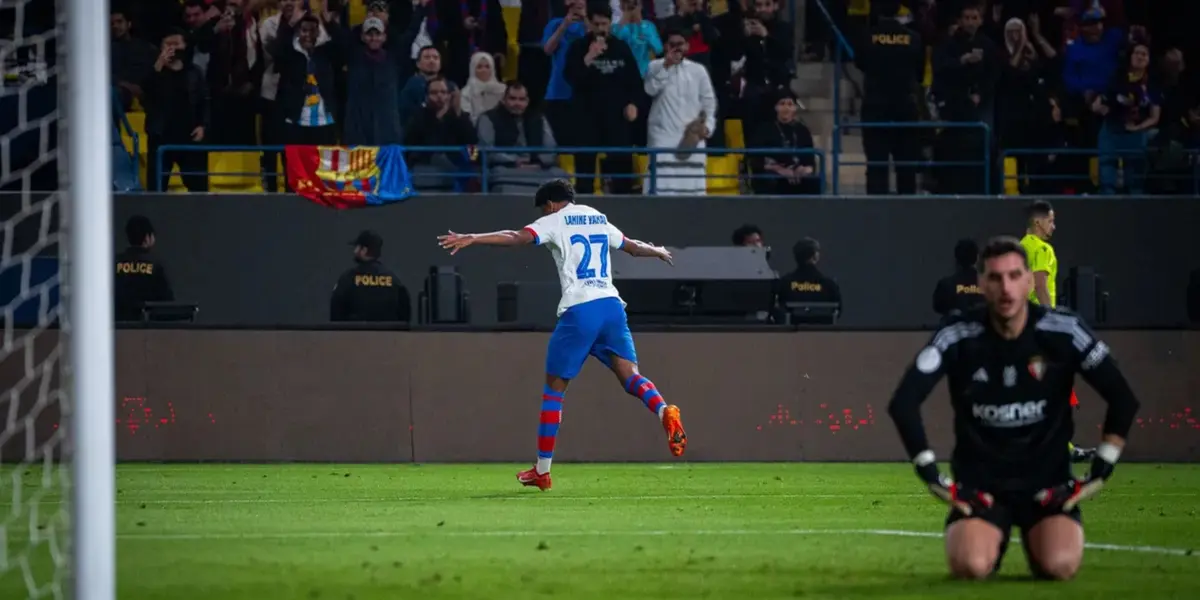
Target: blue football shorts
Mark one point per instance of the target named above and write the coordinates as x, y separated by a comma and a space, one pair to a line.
598, 328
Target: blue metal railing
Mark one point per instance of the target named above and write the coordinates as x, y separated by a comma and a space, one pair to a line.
1193, 156
842, 49
986, 163
482, 153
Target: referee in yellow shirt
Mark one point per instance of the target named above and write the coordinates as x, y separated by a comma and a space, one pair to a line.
1044, 264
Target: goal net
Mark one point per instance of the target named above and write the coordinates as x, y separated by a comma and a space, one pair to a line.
39, 533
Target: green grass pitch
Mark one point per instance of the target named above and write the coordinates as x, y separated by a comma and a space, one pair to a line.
838, 531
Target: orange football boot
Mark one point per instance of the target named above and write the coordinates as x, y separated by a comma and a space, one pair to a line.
676, 438
531, 478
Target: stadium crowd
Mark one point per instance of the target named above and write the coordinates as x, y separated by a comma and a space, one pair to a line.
1087, 95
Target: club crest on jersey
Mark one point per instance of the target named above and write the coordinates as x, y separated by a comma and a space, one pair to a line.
1037, 367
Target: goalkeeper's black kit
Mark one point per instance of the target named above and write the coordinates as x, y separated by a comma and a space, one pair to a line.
1011, 401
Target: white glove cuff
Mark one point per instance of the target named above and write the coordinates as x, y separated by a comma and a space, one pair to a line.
1109, 453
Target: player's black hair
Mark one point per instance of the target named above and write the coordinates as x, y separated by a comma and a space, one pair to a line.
137, 229
805, 250
599, 9
966, 253
1038, 209
741, 233
555, 190
999, 246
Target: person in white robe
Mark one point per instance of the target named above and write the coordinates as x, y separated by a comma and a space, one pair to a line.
683, 115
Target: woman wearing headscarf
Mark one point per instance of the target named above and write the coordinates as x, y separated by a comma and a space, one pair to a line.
483, 90
1026, 109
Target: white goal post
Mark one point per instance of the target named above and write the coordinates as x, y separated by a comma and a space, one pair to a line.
57, 389
88, 225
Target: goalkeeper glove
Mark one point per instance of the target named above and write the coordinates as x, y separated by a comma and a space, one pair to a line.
1068, 495
963, 499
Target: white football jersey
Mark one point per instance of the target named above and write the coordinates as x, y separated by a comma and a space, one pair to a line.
580, 238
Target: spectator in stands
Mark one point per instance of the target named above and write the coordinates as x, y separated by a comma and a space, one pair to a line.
1111, 11
177, 113
307, 96
412, 97
272, 120
513, 125
684, 115
140, 277
748, 235
1177, 87
606, 86
559, 35
373, 88
748, 65
777, 38
1089, 63
440, 123
965, 70
466, 27
807, 283
234, 74
786, 172
641, 35
959, 291
690, 17
1022, 91
1131, 108
416, 36
892, 60
199, 20
533, 64
132, 58
369, 291
1091, 60
483, 90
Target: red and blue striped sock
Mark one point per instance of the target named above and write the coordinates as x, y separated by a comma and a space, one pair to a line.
551, 418
644, 390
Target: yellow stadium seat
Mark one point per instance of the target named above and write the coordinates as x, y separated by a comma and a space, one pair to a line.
722, 172
246, 164
358, 12
735, 135
1012, 186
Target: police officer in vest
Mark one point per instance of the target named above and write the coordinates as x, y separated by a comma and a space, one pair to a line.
140, 277
960, 291
807, 283
892, 60
512, 125
369, 291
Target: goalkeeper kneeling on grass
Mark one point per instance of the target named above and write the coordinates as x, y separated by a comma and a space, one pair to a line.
1011, 366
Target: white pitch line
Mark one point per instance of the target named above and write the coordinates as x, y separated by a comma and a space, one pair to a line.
598, 533
134, 499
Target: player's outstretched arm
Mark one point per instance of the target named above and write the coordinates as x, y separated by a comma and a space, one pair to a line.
641, 249
457, 241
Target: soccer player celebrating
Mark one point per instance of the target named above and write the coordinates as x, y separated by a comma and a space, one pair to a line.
1011, 365
1044, 264
591, 314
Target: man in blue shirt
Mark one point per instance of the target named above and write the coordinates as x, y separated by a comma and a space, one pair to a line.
558, 36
